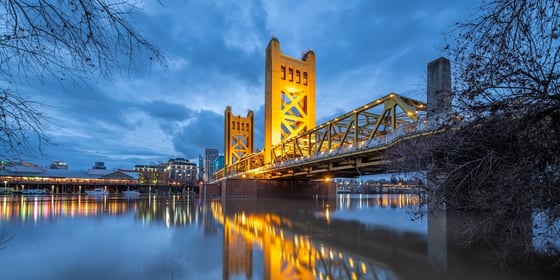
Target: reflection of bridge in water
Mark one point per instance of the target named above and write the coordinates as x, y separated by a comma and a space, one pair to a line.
302, 241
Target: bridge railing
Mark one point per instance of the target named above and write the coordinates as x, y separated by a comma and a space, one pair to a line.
378, 142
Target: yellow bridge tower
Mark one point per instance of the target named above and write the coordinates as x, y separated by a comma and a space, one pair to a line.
289, 96
238, 136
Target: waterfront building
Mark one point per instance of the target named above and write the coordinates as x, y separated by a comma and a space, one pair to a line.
152, 175
177, 172
17, 177
181, 172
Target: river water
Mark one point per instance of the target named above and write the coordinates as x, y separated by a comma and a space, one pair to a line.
186, 237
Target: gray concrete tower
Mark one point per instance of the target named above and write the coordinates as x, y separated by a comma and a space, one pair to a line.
439, 89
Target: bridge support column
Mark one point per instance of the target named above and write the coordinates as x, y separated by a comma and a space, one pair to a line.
273, 188
439, 89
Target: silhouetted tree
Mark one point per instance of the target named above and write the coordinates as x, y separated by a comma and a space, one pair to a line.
64, 39
501, 166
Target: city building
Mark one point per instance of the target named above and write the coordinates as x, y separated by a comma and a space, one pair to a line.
18, 176
58, 164
99, 168
218, 163
208, 164
181, 172
152, 175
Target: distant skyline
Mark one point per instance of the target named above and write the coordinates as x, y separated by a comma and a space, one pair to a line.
364, 50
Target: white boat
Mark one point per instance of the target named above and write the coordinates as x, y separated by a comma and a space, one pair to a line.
343, 191
34, 191
97, 191
131, 193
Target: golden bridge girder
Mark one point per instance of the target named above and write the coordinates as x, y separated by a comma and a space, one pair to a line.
361, 124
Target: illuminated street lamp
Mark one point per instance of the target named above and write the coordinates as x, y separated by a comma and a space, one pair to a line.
5, 186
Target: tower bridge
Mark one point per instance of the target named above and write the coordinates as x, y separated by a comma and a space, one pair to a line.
350, 145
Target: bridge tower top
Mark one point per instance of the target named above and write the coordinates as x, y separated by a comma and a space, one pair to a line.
238, 136
289, 95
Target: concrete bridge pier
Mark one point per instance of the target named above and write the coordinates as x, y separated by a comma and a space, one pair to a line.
231, 188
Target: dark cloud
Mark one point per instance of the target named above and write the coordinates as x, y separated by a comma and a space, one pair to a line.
204, 131
167, 112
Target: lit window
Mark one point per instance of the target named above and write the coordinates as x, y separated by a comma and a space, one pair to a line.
290, 74
283, 72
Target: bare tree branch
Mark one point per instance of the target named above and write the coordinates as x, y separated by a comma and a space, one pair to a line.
66, 39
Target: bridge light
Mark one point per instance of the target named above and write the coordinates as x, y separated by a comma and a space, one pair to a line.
364, 268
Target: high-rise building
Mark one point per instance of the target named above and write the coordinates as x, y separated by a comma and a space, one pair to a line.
218, 163
209, 156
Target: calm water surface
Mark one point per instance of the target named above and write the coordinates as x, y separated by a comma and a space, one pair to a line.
185, 237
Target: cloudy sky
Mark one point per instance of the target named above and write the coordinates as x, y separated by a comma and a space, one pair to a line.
364, 50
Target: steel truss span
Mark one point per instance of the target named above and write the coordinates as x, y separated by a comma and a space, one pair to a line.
349, 145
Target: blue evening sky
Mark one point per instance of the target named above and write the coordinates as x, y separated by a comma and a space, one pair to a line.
364, 50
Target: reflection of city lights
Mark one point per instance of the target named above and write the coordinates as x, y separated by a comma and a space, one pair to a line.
381, 200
